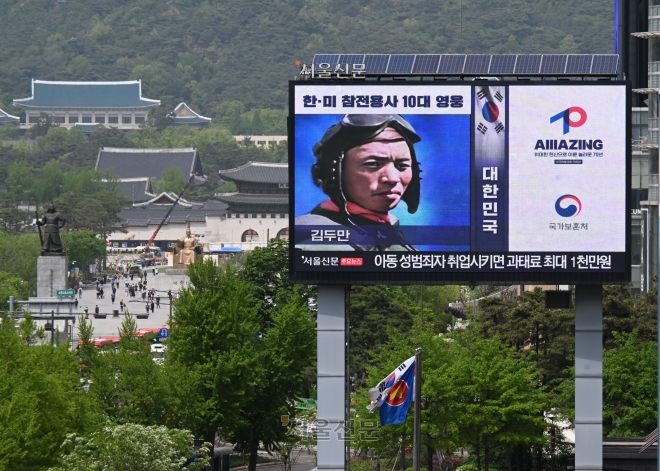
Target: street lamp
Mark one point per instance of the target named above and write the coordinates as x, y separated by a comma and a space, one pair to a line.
169, 295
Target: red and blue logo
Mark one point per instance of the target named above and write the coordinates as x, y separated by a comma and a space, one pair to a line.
490, 112
568, 206
566, 116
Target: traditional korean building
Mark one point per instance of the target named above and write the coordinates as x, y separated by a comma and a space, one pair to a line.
259, 209
130, 163
183, 115
7, 118
240, 220
142, 219
113, 104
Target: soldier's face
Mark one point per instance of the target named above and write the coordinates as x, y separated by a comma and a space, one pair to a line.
376, 174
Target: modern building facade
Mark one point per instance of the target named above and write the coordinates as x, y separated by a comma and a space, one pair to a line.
113, 104
639, 49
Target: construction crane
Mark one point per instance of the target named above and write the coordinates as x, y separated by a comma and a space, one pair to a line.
153, 236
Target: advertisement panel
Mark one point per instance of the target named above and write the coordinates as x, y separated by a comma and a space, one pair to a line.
498, 182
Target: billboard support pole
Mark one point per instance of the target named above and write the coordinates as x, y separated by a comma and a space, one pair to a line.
588, 377
331, 377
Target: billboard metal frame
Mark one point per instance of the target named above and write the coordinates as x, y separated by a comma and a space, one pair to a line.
347, 276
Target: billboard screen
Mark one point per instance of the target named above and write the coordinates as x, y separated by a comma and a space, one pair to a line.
498, 182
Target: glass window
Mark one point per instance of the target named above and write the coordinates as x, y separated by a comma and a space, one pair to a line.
60, 119
33, 119
636, 248
654, 81
100, 119
139, 119
654, 11
126, 120
86, 119
113, 119
654, 25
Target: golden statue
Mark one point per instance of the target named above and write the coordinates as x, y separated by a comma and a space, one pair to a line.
186, 250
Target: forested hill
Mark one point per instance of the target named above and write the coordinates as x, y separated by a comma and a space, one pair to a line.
211, 51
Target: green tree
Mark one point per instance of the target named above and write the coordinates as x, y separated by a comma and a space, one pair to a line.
497, 402
91, 201
13, 220
83, 247
568, 45
18, 255
19, 181
172, 180
12, 285
375, 310
630, 388
213, 336
546, 337
128, 385
476, 393
286, 351
40, 399
43, 125
133, 447
267, 272
50, 182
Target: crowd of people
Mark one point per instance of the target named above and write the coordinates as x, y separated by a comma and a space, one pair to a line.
134, 282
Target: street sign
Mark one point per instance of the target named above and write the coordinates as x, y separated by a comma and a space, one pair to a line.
164, 333
66, 292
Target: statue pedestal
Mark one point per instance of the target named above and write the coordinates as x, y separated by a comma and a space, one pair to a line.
52, 273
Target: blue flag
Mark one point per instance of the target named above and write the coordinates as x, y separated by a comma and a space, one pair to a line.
394, 394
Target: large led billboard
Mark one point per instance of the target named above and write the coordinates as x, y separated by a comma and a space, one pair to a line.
498, 182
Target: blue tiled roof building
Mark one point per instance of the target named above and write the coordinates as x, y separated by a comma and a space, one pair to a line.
7, 118
113, 104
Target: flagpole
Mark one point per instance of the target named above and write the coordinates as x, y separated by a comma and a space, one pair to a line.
418, 410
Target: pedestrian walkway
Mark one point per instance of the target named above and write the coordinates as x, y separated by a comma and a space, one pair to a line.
110, 325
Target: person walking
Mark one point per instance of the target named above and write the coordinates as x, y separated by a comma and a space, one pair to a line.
112, 296
96, 311
152, 307
147, 306
75, 303
144, 295
158, 302
80, 293
121, 305
86, 312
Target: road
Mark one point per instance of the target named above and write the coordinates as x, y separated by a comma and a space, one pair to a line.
110, 325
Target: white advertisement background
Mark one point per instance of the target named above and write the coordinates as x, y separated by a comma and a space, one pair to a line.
535, 183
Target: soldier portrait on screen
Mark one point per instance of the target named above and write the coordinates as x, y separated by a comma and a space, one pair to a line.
366, 165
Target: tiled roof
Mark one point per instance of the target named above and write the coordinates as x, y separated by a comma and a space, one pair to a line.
86, 95
137, 190
257, 172
183, 114
7, 118
166, 198
150, 215
246, 198
138, 163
